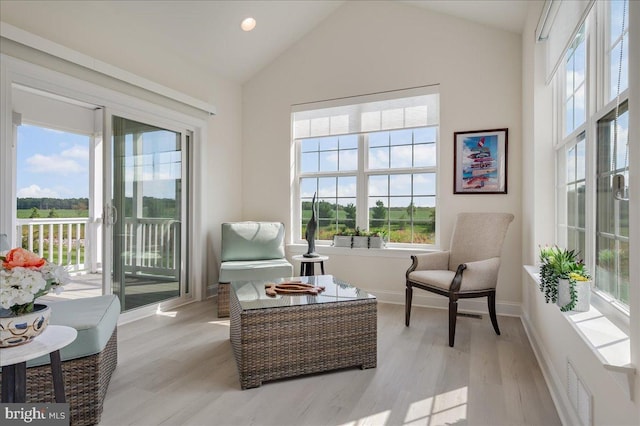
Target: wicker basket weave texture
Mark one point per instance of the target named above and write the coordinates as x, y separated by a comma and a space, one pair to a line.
223, 299
274, 343
85, 383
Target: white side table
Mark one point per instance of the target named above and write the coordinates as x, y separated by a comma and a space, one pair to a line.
307, 264
14, 362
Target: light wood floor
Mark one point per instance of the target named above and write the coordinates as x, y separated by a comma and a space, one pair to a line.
178, 369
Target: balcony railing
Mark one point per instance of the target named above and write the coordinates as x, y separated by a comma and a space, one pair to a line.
150, 246
61, 241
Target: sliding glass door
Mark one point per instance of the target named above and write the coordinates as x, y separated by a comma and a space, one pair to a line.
147, 212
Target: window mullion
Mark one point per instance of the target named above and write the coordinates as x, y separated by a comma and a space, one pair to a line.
362, 191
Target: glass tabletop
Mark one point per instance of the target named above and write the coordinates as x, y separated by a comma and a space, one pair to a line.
252, 295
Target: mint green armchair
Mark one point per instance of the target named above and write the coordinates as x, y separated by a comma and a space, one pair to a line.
250, 251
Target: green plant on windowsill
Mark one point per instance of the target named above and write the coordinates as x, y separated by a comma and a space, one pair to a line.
556, 264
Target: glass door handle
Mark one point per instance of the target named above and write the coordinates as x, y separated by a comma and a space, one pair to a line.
618, 188
110, 215
114, 215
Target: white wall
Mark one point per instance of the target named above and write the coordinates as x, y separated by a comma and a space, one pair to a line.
553, 338
367, 47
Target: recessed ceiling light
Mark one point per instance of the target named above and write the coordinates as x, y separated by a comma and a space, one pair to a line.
248, 24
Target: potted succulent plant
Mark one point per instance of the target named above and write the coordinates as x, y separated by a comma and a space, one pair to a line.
359, 239
564, 279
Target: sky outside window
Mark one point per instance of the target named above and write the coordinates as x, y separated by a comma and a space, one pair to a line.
52, 163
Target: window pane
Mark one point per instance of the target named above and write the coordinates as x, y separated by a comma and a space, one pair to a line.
571, 165
328, 161
378, 212
569, 86
615, 70
605, 214
308, 186
622, 152
579, 108
309, 162
605, 278
424, 155
346, 186
580, 203
624, 215
425, 134
346, 214
571, 205
579, 64
329, 143
379, 158
569, 116
379, 139
379, 186
401, 156
307, 145
623, 274
424, 184
402, 137
348, 142
348, 159
580, 160
327, 187
400, 185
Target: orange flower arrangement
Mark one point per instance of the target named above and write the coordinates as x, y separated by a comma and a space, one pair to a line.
25, 276
23, 258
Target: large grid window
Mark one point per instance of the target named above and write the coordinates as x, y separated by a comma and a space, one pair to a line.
593, 218
372, 167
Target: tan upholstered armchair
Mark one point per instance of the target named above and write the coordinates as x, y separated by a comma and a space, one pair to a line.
468, 269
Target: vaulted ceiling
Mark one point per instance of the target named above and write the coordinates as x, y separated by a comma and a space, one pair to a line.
207, 34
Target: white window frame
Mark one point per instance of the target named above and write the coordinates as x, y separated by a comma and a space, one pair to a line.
362, 192
597, 107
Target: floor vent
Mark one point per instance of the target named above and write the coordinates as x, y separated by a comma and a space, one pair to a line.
579, 396
464, 314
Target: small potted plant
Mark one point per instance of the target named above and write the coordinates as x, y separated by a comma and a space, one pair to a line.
343, 239
564, 279
359, 239
377, 238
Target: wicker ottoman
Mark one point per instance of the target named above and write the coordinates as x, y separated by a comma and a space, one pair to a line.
289, 336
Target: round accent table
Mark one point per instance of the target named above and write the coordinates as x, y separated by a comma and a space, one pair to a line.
307, 264
14, 362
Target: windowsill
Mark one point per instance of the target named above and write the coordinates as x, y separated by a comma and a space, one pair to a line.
391, 252
610, 344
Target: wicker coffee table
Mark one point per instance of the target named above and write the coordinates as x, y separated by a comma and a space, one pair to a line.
287, 336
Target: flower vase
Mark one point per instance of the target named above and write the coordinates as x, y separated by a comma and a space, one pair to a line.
583, 290
20, 329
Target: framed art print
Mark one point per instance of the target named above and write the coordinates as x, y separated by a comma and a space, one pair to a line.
480, 162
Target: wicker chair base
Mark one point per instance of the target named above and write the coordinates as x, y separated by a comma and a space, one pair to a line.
274, 343
223, 300
85, 383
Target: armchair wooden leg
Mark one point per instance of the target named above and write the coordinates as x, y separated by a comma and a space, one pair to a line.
407, 304
491, 301
453, 314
